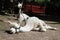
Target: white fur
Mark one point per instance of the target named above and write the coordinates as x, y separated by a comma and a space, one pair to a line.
33, 22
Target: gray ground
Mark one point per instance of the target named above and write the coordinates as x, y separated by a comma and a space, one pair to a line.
33, 35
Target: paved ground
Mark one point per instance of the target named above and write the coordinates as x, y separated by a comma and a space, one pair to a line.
33, 35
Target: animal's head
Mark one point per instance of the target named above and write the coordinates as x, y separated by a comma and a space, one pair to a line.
20, 5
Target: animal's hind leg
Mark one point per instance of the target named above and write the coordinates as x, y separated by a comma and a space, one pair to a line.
48, 27
51, 28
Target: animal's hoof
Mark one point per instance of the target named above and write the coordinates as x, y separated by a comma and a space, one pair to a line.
55, 28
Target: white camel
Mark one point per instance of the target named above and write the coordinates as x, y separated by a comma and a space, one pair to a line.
26, 23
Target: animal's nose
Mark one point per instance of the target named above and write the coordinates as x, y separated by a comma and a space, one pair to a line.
19, 6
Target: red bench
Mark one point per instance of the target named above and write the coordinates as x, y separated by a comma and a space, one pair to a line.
34, 9
38, 9
27, 8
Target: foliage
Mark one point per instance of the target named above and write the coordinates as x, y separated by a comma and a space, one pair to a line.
39, 1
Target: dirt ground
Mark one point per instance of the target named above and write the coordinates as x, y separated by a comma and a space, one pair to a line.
33, 35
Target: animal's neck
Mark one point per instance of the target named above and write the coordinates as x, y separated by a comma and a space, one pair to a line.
20, 11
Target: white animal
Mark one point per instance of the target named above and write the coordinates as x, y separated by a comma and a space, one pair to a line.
27, 23
33, 23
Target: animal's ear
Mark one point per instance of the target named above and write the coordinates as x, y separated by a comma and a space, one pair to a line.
20, 2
